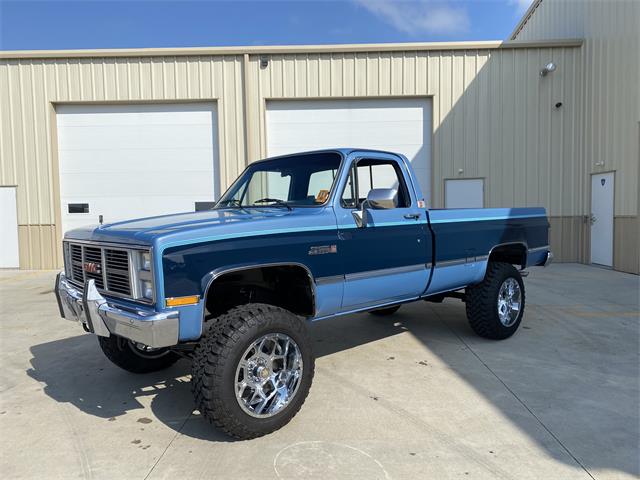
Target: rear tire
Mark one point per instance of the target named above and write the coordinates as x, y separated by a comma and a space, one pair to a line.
134, 358
383, 312
496, 305
252, 352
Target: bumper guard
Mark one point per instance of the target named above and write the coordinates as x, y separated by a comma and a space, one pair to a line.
97, 315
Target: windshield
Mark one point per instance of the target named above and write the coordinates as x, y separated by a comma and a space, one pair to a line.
294, 181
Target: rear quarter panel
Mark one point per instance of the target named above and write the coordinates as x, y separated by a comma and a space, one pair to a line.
464, 239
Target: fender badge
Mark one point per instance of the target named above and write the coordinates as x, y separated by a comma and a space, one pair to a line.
323, 249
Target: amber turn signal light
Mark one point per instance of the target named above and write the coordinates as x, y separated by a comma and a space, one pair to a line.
182, 301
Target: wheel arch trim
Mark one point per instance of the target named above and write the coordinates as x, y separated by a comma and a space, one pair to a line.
520, 244
213, 275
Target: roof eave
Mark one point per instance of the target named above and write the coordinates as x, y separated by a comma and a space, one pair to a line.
284, 49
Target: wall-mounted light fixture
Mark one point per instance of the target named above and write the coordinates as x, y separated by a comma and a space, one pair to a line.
548, 68
264, 61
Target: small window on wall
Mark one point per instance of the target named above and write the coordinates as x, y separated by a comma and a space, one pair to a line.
464, 193
371, 174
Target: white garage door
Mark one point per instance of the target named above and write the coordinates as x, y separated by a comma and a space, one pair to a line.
128, 161
397, 125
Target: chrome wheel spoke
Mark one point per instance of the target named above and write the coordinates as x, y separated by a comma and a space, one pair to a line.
268, 375
508, 303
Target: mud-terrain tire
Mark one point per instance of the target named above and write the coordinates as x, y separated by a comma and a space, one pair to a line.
383, 312
493, 312
128, 356
234, 337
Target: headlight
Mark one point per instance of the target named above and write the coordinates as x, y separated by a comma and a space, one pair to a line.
145, 261
143, 275
146, 289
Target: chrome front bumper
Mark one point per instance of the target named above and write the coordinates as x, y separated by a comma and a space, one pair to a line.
93, 311
548, 259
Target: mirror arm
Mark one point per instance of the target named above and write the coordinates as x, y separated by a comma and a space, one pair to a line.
360, 216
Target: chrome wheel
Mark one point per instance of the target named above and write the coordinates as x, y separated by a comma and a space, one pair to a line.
509, 299
268, 375
145, 351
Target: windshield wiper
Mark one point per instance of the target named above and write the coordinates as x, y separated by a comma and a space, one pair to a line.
234, 202
276, 201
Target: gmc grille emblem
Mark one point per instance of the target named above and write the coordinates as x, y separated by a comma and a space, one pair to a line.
91, 267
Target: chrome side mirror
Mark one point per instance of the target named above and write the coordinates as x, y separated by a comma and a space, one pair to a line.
383, 198
378, 199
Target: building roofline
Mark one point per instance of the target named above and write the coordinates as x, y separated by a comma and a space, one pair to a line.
285, 49
525, 18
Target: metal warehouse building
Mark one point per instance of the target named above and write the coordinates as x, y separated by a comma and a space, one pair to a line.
125, 133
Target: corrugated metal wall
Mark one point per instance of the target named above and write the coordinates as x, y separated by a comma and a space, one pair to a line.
493, 117
29, 90
610, 83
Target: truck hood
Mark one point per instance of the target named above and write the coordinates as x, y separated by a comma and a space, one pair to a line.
192, 226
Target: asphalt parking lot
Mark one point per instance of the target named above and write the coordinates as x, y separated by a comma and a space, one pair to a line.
415, 395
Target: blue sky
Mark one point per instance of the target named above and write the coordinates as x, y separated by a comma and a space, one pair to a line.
54, 24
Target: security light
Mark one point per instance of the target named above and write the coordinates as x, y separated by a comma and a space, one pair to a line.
548, 68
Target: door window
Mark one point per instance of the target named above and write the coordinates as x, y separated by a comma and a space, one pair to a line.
369, 174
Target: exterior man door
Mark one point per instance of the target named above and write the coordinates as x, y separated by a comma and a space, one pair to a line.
602, 189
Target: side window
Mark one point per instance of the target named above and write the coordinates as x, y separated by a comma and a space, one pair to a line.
371, 174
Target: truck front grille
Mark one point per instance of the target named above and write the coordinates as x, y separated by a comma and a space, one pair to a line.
109, 267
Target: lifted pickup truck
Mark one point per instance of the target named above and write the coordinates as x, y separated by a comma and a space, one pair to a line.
296, 238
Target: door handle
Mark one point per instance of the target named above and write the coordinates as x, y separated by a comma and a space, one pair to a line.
412, 216
593, 219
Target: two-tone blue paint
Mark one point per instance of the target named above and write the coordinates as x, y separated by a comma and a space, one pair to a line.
401, 255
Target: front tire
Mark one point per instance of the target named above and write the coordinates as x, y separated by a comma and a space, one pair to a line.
134, 357
496, 305
252, 370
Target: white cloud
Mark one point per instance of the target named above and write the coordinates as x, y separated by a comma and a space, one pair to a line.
521, 5
420, 16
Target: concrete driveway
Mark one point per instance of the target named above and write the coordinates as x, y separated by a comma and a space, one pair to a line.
415, 395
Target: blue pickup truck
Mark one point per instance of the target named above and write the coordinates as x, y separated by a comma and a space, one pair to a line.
297, 238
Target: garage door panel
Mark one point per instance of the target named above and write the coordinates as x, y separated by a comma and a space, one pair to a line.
149, 184
355, 110
154, 159
131, 161
401, 132
398, 125
129, 137
130, 207
105, 115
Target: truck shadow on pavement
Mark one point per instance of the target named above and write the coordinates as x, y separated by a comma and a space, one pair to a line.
549, 380
74, 370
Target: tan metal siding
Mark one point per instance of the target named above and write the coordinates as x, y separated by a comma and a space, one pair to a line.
493, 116
610, 80
29, 88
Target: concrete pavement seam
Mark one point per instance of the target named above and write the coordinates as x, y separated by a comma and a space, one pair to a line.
526, 407
178, 432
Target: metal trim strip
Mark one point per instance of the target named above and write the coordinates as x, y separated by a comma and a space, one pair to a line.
384, 271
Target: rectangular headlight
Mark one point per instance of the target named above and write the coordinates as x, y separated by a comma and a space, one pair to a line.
145, 261
143, 276
146, 289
